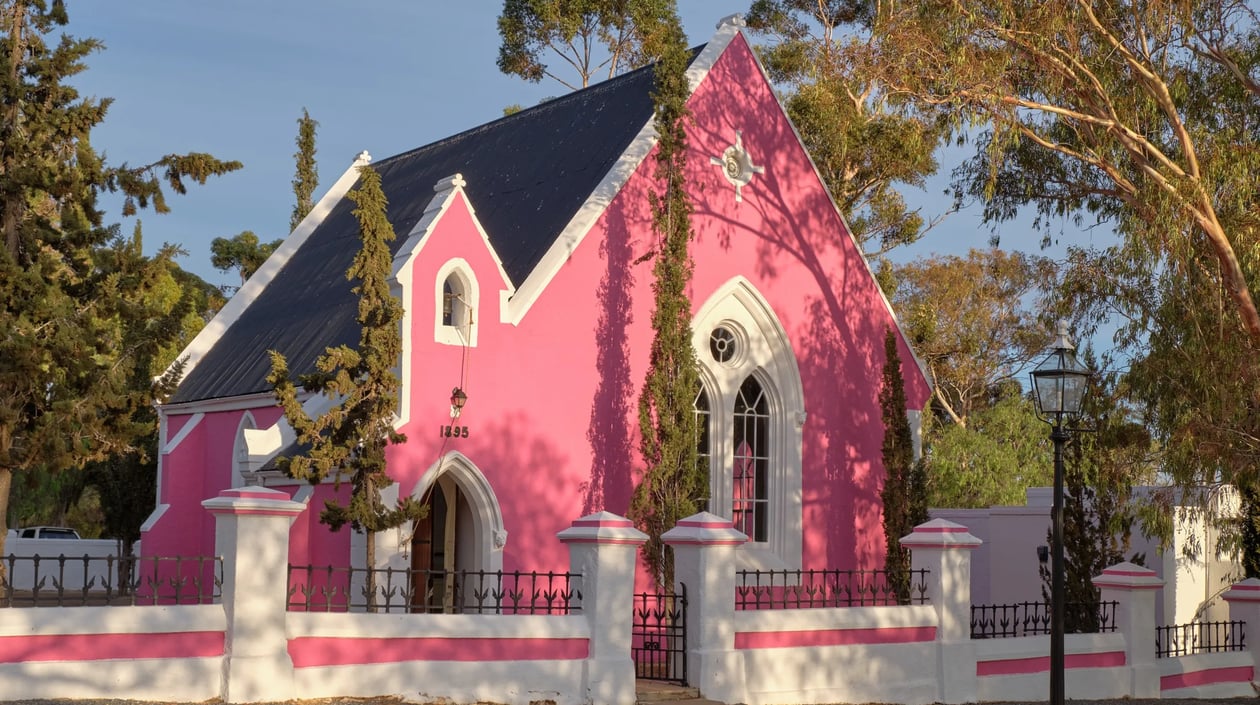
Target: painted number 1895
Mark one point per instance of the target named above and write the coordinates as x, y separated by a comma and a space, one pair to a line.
453, 431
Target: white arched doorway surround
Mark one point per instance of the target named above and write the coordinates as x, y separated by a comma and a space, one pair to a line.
761, 351
486, 535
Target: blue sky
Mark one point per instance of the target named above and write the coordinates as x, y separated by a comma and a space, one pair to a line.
231, 77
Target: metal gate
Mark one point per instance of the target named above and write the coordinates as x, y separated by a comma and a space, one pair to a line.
659, 636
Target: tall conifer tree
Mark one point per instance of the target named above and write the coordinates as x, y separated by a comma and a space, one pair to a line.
905, 493
351, 438
306, 174
64, 397
673, 485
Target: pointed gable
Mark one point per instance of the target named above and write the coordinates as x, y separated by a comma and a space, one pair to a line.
528, 174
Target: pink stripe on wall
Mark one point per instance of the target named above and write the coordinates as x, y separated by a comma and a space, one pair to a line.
1039, 664
1234, 674
833, 637
311, 651
100, 647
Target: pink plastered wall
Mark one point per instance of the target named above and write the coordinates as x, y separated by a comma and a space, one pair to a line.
552, 401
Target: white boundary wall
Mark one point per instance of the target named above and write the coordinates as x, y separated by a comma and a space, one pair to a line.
251, 649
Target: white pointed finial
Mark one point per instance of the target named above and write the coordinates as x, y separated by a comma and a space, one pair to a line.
736, 20
1061, 341
362, 158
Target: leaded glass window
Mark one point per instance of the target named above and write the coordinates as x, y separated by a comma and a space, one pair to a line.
750, 497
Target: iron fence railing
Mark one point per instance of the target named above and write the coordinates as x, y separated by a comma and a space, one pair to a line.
797, 589
333, 589
1033, 618
74, 581
1200, 638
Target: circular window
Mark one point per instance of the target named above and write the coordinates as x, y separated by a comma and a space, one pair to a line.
722, 344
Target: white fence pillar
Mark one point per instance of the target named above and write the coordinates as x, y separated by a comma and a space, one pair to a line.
704, 560
943, 549
1244, 606
1132, 588
603, 548
252, 536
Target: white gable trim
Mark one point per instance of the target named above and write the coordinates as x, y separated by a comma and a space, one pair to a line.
616, 178
209, 336
402, 285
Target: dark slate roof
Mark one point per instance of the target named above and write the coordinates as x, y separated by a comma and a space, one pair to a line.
527, 174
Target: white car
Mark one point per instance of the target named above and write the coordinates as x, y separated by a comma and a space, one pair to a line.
47, 532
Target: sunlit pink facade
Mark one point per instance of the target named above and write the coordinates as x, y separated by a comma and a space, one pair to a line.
554, 368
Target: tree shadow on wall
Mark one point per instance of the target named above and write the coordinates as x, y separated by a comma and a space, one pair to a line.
609, 433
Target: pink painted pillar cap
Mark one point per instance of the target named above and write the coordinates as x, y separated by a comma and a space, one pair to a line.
940, 533
1128, 576
704, 529
1245, 591
602, 527
253, 500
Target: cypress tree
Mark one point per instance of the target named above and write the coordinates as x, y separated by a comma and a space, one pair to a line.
904, 495
673, 485
64, 362
351, 438
306, 175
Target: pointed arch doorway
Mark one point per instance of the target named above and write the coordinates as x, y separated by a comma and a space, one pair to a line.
462, 532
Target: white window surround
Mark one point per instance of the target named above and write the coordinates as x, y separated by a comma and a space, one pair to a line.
465, 333
766, 354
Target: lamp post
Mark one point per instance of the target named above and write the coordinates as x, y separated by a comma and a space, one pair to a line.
1058, 390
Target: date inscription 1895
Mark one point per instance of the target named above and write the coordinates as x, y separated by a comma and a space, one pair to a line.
453, 431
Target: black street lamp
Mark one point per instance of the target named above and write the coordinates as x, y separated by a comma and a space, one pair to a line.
1058, 390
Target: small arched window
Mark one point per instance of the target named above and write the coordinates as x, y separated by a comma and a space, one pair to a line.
455, 317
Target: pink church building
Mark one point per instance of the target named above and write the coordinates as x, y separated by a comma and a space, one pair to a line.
523, 261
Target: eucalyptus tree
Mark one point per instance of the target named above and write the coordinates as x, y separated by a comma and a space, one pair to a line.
590, 37
1141, 114
867, 141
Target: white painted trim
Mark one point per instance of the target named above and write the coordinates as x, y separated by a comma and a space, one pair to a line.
857, 246
256, 400
154, 517
231, 312
184, 430
455, 335
489, 534
263, 444
616, 178
767, 355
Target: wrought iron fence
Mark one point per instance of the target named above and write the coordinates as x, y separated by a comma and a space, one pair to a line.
1032, 618
1200, 638
796, 589
75, 581
333, 589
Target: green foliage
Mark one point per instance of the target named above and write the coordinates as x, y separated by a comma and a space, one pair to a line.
904, 495
588, 35
244, 253
1140, 114
66, 360
865, 140
1002, 451
674, 484
306, 172
973, 321
351, 437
